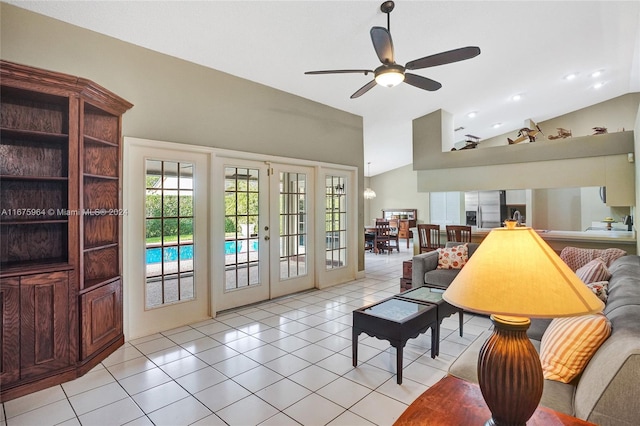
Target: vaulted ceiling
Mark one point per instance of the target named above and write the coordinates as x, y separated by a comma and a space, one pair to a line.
528, 47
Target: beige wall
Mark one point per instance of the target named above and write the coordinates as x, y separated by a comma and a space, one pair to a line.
396, 189
178, 101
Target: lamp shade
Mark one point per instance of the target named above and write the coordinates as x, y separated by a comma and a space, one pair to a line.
514, 272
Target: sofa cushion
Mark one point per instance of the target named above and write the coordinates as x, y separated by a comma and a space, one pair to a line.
595, 270
599, 288
440, 277
569, 343
453, 257
576, 257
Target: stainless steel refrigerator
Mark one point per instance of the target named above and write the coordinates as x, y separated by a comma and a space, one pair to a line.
485, 209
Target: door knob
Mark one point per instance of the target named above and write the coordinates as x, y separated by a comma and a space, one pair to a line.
267, 238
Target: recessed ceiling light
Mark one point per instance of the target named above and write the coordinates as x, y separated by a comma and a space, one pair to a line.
571, 76
516, 97
596, 74
598, 85
472, 114
495, 126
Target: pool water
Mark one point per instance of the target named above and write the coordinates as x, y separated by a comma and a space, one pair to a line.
154, 255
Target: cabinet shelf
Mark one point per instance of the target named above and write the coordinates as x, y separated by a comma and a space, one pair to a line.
100, 247
32, 222
34, 178
32, 135
90, 285
10, 269
96, 141
89, 175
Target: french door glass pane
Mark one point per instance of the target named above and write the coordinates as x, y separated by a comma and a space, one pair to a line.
335, 222
293, 229
241, 228
169, 232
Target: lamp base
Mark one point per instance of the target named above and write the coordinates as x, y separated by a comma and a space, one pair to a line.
509, 372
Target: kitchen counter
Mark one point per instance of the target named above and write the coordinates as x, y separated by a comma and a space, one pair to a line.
625, 240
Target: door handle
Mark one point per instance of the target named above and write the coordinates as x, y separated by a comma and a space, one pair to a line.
267, 238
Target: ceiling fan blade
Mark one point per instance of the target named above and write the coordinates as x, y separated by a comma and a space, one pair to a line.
383, 45
448, 57
421, 82
365, 72
364, 89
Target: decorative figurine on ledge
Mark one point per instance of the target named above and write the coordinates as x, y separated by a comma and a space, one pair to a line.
562, 134
525, 133
470, 143
600, 130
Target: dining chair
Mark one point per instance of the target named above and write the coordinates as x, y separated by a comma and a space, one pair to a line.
459, 233
428, 237
394, 234
382, 240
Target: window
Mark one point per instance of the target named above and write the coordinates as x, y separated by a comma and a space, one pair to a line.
169, 231
335, 222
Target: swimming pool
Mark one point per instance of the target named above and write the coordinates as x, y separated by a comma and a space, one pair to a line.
154, 255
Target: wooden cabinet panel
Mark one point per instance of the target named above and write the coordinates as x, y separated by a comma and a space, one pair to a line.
10, 330
44, 323
40, 113
100, 159
100, 194
28, 244
101, 265
101, 317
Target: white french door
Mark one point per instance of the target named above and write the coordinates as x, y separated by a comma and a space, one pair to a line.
268, 239
165, 234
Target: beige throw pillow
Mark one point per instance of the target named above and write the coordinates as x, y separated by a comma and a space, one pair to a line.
569, 343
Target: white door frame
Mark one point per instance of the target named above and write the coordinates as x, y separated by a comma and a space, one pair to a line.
140, 321
215, 206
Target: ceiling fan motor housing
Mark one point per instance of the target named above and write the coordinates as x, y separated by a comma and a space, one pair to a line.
389, 75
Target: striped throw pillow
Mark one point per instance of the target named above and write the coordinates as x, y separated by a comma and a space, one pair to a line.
569, 343
594, 271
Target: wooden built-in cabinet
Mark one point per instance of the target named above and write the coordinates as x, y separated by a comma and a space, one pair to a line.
60, 228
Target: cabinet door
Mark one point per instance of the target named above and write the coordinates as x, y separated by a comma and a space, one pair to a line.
101, 317
44, 332
10, 337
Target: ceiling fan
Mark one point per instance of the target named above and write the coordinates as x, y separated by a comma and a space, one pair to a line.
390, 73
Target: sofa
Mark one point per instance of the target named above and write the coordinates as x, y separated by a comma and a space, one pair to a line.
607, 392
425, 272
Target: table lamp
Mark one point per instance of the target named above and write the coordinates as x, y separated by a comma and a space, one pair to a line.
514, 275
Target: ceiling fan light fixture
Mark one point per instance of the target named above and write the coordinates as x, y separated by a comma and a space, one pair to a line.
389, 75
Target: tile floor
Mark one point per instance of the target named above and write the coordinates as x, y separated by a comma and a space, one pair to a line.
281, 362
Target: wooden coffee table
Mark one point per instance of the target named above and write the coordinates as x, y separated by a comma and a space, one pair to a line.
397, 320
426, 294
455, 402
